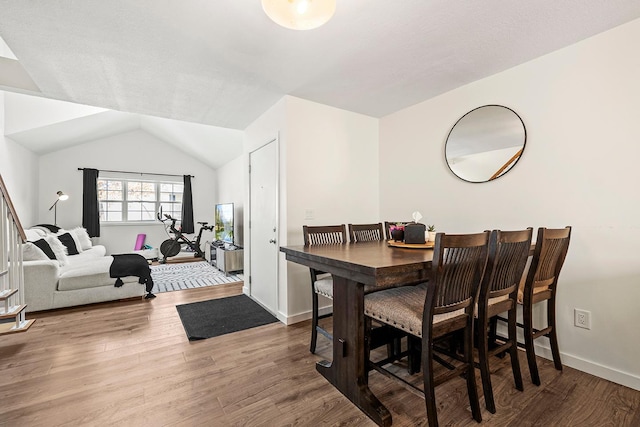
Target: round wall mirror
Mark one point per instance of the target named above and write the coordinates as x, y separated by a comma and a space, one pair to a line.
485, 143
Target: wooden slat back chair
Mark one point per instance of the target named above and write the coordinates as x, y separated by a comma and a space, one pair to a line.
542, 285
373, 233
321, 282
444, 304
366, 232
508, 254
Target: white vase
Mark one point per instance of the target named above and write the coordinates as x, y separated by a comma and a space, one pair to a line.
432, 236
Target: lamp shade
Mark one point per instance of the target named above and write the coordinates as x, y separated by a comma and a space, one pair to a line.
62, 196
299, 14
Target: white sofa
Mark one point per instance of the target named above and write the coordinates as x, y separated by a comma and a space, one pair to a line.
83, 279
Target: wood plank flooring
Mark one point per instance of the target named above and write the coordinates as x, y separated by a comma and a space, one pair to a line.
129, 363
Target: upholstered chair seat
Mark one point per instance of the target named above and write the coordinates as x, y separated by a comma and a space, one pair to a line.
402, 308
493, 302
536, 291
324, 285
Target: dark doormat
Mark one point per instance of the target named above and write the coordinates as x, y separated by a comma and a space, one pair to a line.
208, 319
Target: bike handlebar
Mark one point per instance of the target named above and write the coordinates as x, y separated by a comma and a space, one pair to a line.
173, 221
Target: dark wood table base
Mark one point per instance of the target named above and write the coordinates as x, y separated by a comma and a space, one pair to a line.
348, 372
353, 266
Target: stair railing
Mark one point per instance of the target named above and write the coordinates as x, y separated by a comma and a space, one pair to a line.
12, 237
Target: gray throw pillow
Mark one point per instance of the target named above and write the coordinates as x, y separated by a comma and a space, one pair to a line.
31, 252
44, 246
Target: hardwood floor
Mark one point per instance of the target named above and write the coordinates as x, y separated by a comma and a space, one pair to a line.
129, 363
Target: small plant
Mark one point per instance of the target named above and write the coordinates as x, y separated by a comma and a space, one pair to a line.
397, 226
431, 228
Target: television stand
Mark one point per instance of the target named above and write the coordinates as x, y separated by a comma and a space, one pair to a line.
227, 260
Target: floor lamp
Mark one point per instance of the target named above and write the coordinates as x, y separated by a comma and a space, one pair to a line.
61, 196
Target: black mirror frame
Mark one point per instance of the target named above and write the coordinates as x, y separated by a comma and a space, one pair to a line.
524, 143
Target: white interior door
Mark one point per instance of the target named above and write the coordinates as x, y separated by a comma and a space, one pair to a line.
263, 226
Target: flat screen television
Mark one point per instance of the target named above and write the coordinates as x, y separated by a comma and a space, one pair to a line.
224, 222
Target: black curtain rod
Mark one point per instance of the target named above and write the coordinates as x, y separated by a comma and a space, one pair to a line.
139, 173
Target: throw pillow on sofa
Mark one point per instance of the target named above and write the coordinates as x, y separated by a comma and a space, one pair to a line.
34, 234
58, 249
69, 242
44, 248
76, 239
83, 236
47, 228
31, 252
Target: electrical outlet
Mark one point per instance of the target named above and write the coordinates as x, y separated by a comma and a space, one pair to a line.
309, 214
582, 318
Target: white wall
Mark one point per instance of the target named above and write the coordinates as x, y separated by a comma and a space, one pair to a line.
332, 178
19, 170
135, 151
580, 168
231, 189
329, 167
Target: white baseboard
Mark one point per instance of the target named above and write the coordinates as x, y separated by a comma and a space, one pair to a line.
614, 375
619, 377
301, 317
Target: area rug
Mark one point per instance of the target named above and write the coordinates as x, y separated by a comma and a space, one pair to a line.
212, 318
188, 275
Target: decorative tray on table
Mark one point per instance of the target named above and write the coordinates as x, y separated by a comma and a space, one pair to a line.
427, 245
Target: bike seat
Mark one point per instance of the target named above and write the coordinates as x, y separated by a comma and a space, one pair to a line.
203, 223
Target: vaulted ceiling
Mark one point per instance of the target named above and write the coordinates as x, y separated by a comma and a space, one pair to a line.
223, 63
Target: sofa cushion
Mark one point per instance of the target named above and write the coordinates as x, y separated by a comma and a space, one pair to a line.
89, 274
97, 251
31, 252
43, 245
67, 240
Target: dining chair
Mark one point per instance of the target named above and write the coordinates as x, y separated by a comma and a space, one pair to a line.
541, 285
366, 232
321, 282
381, 336
508, 254
428, 311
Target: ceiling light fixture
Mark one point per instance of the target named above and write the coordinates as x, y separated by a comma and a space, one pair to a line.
299, 14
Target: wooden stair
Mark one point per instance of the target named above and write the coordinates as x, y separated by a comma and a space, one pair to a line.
11, 268
12, 312
16, 327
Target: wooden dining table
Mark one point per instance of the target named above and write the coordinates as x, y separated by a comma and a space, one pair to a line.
353, 266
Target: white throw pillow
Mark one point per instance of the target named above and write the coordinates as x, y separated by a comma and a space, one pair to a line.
83, 237
34, 234
31, 252
58, 249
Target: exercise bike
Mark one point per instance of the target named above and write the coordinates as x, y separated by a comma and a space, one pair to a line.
171, 247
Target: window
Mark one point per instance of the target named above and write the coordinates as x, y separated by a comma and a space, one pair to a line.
123, 200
